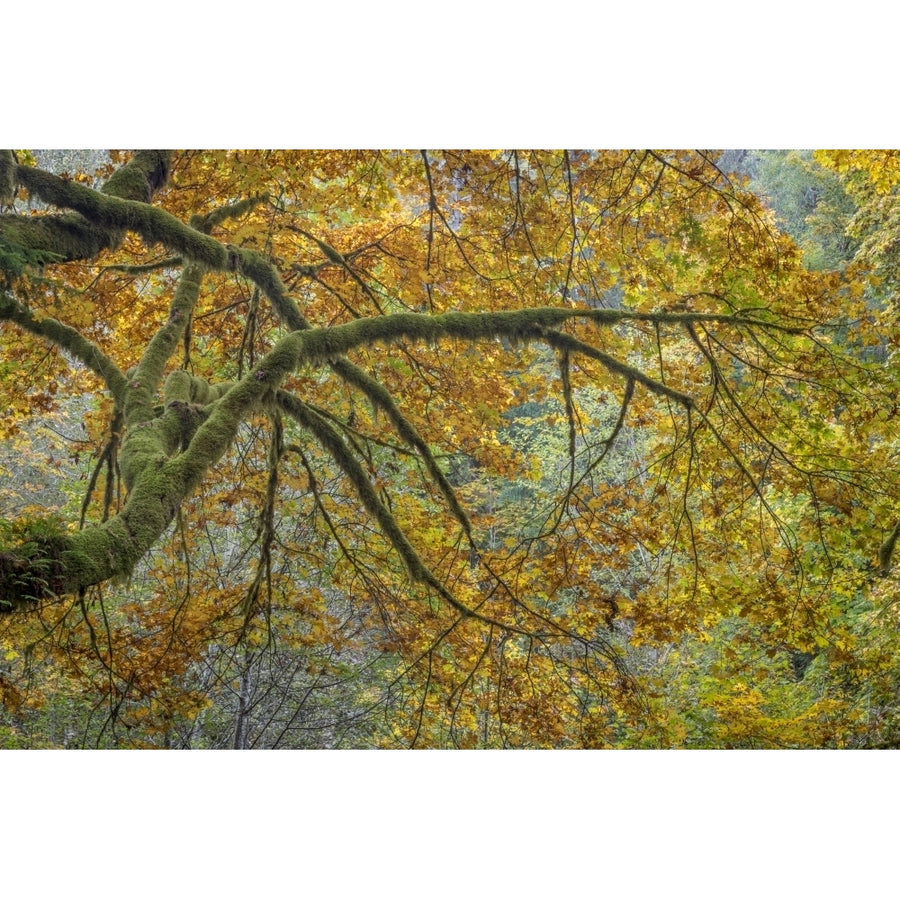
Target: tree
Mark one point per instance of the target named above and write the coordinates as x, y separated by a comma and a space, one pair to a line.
321, 383
811, 204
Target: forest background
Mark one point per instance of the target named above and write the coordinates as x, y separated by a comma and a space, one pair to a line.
820, 789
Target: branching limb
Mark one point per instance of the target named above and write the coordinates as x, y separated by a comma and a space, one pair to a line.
159, 478
68, 339
221, 214
111, 214
147, 377
382, 399
330, 439
337, 259
73, 237
169, 262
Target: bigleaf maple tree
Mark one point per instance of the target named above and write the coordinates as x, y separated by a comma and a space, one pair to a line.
475, 439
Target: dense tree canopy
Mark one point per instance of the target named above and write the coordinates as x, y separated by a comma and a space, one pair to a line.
462, 448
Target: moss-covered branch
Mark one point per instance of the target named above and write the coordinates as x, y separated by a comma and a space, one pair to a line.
147, 376
165, 457
332, 442
116, 214
526, 325
223, 213
69, 339
381, 398
186, 388
73, 237
139, 179
52, 563
169, 262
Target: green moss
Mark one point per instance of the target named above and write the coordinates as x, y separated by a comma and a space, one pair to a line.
184, 387
65, 237
264, 275
144, 444
8, 166
178, 386
223, 213
381, 399
142, 177
151, 508
69, 339
15, 261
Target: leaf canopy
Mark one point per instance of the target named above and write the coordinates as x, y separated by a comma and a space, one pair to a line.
460, 448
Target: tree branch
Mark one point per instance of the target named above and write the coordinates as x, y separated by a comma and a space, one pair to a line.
69, 339
73, 237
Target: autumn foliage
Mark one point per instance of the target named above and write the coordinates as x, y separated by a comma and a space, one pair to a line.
458, 449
